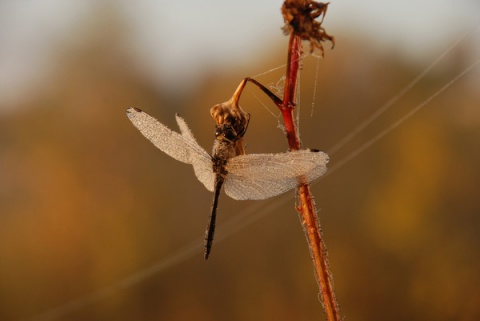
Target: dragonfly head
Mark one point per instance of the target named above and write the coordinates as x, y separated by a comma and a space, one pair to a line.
226, 132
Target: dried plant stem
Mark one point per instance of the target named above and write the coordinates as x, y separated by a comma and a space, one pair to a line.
306, 206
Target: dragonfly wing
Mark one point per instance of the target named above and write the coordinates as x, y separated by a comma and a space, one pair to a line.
260, 176
203, 169
182, 148
241, 188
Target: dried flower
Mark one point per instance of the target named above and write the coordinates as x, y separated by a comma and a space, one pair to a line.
300, 15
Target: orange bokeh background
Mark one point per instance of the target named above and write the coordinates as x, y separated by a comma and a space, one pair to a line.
86, 201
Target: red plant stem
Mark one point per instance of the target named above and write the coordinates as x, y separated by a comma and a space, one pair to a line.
306, 207
293, 61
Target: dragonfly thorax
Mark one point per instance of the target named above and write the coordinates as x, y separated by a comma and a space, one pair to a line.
223, 149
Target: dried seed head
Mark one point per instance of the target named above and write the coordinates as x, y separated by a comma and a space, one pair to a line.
230, 115
300, 15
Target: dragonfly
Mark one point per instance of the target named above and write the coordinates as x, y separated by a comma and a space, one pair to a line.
242, 177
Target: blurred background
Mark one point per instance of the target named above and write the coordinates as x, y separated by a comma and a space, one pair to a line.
86, 201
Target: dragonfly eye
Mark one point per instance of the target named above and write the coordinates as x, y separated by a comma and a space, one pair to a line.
226, 132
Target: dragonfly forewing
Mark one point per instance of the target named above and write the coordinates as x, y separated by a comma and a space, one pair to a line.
183, 147
260, 176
